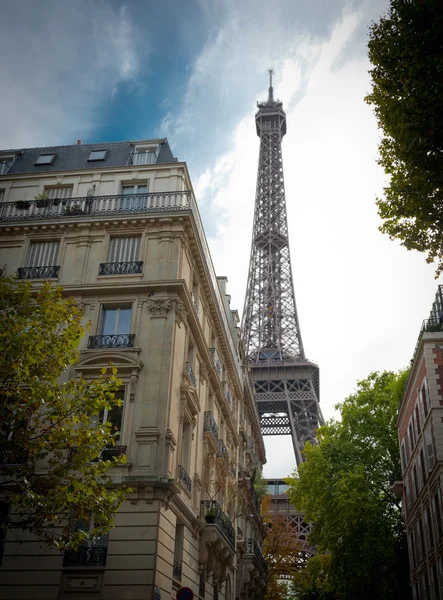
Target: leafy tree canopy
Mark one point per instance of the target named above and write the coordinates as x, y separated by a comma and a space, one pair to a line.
50, 436
344, 489
406, 49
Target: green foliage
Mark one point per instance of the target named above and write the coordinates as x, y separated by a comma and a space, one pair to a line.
260, 484
406, 49
49, 433
344, 488
314, 582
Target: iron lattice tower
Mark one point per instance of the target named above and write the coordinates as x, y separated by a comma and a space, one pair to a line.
286, 383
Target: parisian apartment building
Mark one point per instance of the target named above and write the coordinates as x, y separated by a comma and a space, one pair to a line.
420, 427
117, 226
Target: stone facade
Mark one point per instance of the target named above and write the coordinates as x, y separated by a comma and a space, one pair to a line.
420, 427
126, 241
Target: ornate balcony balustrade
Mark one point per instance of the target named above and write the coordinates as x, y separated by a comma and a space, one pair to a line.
194, 304
177, 570
190, 373
216, 360
94, 205
94, 556
210, 425
253, 549
184, 478
121, 268
108, 453
222, 451
47, 272
117, 340
213, 514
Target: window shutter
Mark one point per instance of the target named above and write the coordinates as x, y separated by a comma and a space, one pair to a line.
124, 249
427, 542
414, 487
418, 538
419, 476
43, 254
421, 408
429, 449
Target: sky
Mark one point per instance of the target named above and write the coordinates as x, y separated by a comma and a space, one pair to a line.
192, 71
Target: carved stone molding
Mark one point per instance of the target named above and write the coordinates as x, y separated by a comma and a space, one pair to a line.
204, 372
159, 307
180, 313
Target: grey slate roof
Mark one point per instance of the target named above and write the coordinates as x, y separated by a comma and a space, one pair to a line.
76, 157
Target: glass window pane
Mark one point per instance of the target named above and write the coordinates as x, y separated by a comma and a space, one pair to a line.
109, 321
142, 189
128, 189
124, 321
115, 416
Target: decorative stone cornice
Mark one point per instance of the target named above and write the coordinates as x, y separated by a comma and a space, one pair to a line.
159, 307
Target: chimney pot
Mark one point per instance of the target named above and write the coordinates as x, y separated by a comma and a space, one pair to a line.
79, 142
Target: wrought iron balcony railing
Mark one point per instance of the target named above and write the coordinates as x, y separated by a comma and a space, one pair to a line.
212, 512
184, 478
108, 453
190, 373
121, 268
177, 570
252, 548
91, 206
48, 272
210, 425
216, 360
222, 451
94, 556
117, 340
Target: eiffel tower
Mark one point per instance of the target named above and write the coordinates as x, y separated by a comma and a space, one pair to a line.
286, 382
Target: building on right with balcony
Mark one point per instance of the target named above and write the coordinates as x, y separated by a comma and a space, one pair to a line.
420, 428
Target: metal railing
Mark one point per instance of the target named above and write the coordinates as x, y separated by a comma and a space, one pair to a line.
227, 393
177, 570
94, 556
212, 512
108, 453
47, 272
94, 205
250, 448
142, 158
190, 373
253, 549
184, 478
121, 268
117, 340
210, 425
216, 360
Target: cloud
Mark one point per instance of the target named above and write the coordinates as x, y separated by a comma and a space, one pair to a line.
59, 65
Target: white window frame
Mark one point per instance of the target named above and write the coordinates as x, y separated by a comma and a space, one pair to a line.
50, 157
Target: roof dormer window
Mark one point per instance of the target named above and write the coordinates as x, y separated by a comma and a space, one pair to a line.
45, 159
98, 155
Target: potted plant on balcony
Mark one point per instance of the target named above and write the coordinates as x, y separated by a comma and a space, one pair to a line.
74, 209
42, 200
22, 204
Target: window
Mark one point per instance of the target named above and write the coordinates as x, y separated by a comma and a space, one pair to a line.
98, 155
178, 551
59, 193
4, 511
2, 194
134, 196
91, 553
430, 454
116, 320
114, 416
437, 517
45, 159
124, 249
144, 155
42, 261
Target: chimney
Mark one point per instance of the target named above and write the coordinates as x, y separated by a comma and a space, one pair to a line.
79, 142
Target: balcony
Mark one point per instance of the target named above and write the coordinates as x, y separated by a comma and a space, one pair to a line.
90, 206
121, 268
222, 451
216, 360
213, 514
177, 570
250, 449
48, 272
118, 340
190, 373
184, 478
227, 393
108, 453
210, 426
94, 556
253, 551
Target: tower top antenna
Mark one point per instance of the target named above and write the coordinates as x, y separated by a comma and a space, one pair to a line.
271, 89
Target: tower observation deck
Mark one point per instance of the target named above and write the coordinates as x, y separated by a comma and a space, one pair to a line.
286, 382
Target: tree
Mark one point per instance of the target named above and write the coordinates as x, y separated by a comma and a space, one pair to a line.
50, 436
406, 49
281, 551
313, 582
344, 489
